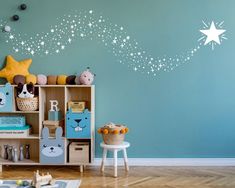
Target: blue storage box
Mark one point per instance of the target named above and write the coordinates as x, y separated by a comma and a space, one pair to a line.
78, 125
6, 98
54, 115
12, 121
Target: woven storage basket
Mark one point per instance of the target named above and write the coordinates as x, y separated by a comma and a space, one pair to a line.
113, 139
27, 104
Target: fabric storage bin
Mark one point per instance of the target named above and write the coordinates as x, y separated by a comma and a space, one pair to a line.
6, 98
52, 150
79, 152
78, 125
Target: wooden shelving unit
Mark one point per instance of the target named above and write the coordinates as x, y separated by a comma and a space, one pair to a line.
62, 93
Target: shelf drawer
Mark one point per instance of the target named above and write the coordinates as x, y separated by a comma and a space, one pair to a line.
78, 125
52, 151
79, 152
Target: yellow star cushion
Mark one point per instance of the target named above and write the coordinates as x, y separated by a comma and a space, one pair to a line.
14, 68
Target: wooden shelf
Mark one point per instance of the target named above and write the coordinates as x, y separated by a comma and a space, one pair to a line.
75, 164
24, 162
21, 112
58, 85
33, 136
63, 94
43, 86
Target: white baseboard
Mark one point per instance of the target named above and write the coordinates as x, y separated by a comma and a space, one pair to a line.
170, 162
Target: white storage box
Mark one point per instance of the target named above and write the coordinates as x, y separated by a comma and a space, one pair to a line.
15, 132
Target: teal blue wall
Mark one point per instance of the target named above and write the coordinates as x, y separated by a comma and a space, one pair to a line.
189, 112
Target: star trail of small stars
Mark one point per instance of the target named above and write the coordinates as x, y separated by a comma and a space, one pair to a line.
87, 25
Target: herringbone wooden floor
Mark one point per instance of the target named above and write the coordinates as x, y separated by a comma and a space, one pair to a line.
145, 177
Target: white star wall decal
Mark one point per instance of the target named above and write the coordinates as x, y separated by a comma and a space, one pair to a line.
213, 35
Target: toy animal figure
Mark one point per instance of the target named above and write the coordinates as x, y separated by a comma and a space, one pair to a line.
6, 98
21, 155
86, 78
10, 153
42, 180
15, 157
25, 90
27, 153
5, 152
52, 149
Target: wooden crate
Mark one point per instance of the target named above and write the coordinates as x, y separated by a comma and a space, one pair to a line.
79, 152
52, 125
77, 106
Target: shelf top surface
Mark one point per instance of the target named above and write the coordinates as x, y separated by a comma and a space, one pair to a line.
20, 112
58, 86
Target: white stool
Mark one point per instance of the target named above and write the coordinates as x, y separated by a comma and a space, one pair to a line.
115, 149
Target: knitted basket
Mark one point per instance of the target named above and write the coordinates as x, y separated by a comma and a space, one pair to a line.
112, 139
114, 134
27, 104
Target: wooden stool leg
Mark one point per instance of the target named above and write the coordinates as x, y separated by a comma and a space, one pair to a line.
125, 159
81, 168
0, 168
115, 162
103, 159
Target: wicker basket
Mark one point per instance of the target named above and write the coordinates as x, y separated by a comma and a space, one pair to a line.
112, 138
27, 104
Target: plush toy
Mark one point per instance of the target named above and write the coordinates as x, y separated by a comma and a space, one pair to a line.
87, 77
77, 80
19, 79
51, 79
25, 90
61, 79
71, 79
14, 68
31, 78
41, 79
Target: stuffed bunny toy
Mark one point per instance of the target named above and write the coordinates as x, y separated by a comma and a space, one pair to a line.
52, 149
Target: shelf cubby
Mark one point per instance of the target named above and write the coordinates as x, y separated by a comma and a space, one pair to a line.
32, 119
34, 149
79, 94
63, 94
51, 93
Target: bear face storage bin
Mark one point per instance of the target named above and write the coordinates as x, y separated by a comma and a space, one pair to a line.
6, 98
78, 125
52, 150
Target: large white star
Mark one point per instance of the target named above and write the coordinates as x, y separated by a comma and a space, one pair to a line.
212, 34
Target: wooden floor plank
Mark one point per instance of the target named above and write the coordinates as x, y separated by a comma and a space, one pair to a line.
142, 177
